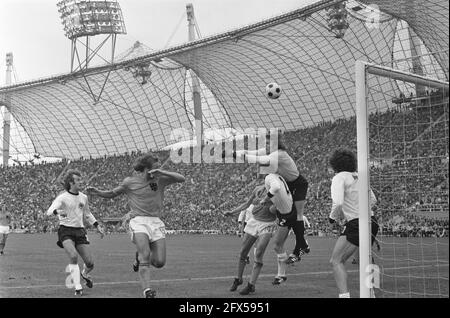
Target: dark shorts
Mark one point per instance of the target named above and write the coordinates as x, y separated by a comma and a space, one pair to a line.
298, 188
77, 234
351, 231
287, 220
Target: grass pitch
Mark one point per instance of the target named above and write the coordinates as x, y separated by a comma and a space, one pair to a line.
203, 266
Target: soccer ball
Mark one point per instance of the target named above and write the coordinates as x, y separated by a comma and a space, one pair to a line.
273, 90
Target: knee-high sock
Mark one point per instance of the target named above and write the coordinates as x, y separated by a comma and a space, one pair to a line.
241, 267
255, 272
144, 275
282, 264
300, 242
75, 272
87, 270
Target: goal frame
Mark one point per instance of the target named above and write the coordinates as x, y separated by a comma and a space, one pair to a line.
363, 68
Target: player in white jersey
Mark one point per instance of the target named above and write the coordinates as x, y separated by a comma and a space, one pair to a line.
5, 221
344, 195
260, 226
280, 162
145, 192
72, 207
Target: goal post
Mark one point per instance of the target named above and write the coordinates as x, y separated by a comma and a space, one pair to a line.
367, 271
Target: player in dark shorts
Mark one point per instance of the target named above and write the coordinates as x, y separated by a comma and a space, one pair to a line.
345, 205
71, 207
280, 162
285, 223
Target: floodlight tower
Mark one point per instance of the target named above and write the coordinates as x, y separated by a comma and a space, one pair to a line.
6, 113
89, 18
86, 18
192, 27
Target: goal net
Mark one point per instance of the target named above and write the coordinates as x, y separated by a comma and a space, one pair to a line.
402, 136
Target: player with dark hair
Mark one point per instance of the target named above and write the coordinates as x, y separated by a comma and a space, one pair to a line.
280, 162
145, 192
72, 207
5, 220
267, 201
344, 195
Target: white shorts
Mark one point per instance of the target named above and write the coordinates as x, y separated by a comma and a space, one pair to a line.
4, 229
256, 228
152, 226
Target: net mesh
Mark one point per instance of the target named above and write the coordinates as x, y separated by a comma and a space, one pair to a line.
298, 50
408, 148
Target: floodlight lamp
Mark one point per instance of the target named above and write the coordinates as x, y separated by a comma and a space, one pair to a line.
9, 59
141, 70
88, 18
337, 19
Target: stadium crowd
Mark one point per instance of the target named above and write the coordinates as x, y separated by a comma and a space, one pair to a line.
211, 189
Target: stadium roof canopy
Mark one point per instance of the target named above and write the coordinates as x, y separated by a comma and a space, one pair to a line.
297, 50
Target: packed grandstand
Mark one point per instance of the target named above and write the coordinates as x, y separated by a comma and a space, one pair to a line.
210, 189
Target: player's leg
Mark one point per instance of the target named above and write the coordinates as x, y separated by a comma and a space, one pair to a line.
247, 243
341, 252
375, 227
279, 239
69, 247
126, 225
299, 195
88, 266
3, 238
136, 259
142, 243
261, 246
158, 253
301, 245
355, 259
136, 262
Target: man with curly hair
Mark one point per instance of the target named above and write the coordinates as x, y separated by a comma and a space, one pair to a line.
344, 195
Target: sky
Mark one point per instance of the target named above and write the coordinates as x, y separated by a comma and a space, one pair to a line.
32, 29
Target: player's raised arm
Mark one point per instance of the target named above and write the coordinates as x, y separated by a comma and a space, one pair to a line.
107, 194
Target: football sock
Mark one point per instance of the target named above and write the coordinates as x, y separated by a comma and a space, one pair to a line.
300, 242
282, 264
144, 275
75, 272
87, 270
